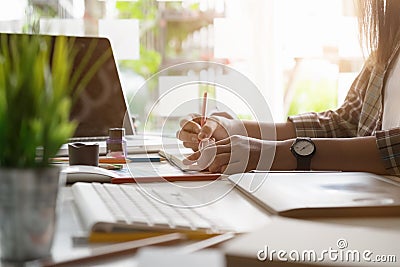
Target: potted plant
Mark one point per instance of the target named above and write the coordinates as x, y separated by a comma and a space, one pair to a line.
35, 103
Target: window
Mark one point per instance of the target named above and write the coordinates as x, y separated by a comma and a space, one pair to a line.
301, 55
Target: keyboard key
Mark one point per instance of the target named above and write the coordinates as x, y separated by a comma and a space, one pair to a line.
130, 209
146, 205
180, 216
110, 203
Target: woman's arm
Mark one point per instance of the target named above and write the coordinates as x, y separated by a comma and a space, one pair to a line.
342, 154
241, 154
263, 130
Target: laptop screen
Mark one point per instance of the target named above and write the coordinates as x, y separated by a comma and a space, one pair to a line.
101, 103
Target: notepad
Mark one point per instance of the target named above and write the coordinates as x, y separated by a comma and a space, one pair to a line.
176, 157
160, 172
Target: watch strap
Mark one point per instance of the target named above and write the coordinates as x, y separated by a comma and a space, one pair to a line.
303, 163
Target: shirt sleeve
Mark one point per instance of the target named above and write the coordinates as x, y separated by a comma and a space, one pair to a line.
323, 125
345, 122
388, 142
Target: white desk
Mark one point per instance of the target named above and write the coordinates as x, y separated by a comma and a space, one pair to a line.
241, 209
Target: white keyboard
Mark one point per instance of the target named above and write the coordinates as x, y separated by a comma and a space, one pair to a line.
108, 207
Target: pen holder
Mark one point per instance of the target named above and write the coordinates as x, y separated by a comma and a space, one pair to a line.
82, 154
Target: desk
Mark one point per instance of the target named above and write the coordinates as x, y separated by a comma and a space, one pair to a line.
241, 209
69, 224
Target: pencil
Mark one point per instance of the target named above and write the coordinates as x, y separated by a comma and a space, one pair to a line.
107, 237
122, 160
110, 160
203, 110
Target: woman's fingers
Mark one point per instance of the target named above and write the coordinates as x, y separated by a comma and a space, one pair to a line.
211, 154
219, 161
225, 141
235, 154
208, 129
189, 125
223, 148
203, 158
191, 158
186, 136
193, 146
189, 133
230, 155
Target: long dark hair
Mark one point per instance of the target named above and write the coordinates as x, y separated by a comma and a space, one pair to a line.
379, 23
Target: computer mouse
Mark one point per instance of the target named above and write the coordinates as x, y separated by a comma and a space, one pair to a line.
85, 173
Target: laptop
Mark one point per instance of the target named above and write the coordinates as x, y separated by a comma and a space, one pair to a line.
102, 105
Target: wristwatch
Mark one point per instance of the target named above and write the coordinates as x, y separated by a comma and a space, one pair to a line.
303, 149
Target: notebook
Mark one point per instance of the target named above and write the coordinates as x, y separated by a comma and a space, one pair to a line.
321, 194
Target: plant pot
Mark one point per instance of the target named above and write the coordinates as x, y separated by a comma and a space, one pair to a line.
28, 201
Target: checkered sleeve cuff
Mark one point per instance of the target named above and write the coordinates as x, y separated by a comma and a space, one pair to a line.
323, 124
306, 124
388, 142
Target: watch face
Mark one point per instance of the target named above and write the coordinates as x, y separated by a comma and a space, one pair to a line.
303, 148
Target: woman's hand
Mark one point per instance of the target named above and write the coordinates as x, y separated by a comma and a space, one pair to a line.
235, 154
191, 133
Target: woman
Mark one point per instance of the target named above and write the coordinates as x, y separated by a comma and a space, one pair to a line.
362, 135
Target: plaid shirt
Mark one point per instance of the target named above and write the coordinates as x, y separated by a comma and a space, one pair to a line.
360, 115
